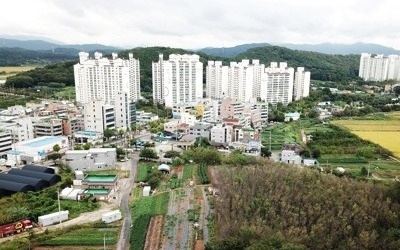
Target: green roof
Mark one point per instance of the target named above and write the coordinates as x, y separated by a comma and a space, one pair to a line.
94, 191
100, 178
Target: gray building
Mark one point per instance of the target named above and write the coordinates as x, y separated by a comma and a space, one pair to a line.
201, 130
92, 159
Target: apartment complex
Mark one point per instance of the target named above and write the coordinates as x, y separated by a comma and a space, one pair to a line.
101, 78
178, 80
248, 82
379, 68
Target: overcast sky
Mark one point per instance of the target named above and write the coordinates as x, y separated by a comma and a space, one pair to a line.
196, 24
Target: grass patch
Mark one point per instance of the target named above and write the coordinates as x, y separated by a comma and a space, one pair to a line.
143, 170
187, 172
66, 93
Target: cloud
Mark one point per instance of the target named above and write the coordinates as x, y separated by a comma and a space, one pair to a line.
195, 24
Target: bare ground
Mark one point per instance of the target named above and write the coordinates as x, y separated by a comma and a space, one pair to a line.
154, 232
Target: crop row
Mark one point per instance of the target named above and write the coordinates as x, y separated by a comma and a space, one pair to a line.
202, 174
139, 230
73, 240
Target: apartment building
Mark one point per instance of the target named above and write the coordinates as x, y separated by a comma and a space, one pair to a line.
98, 116
216, 80
178, 80
277, 84
102, 78
301, 85
379, 68
125, 111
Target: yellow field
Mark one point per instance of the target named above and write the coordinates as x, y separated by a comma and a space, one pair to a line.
10, 71
383, 132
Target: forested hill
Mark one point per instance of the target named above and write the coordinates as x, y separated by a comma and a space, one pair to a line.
18, 56
322, 66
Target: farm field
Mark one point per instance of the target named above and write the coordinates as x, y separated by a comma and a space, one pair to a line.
10, 71
383, 132
165, 219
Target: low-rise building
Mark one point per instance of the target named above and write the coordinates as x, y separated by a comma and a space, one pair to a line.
221, 133
201, 130
93, 159
290, 157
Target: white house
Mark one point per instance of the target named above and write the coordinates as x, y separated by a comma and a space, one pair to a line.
290, 157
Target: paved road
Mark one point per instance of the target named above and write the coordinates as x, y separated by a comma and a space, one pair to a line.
126, 189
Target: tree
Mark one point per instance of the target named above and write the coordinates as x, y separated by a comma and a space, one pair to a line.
56, 148
121, 133
313, 114
316, 153
171, 154
78, 147
265, 152
54, 156
120, 151
202, 142
87, 146
148, 153
108, 133
396, 90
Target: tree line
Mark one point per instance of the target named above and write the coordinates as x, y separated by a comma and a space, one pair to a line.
322, 66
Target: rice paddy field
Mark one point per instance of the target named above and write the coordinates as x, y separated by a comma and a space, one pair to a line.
13, 70
383, 132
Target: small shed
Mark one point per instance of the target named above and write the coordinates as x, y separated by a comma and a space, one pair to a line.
164, 168
38, 168
111, 216
146, 191
79, 175
50, 219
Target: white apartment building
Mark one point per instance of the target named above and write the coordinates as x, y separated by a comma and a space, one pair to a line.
216, 80
241, 80
125, 111
221, 133
277, 84
301, 86
178, 80
98, 116
101, 78
379, 67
